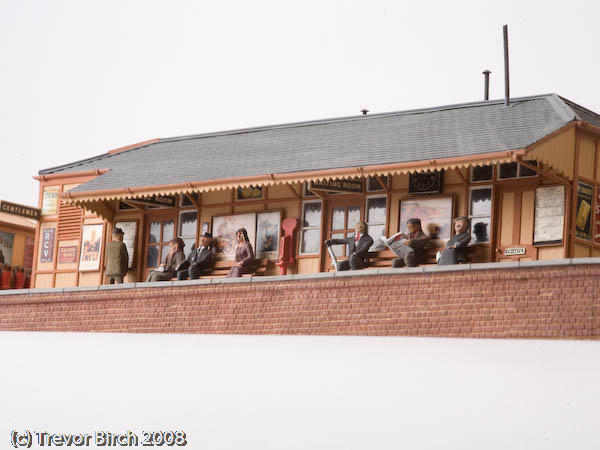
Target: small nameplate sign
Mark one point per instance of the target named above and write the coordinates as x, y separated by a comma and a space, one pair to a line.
162, 200
514, 251
337, 185
20, 210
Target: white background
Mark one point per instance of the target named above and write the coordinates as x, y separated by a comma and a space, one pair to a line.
303, 392
81, 77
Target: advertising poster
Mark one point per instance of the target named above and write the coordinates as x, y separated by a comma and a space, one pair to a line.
50, 202
583, 226
47, 253
91, 245
224, 229
7, 241
268, 225
67, 254
28, 260
549, 215
597, 213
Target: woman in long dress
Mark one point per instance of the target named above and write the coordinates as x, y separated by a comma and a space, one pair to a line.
174, 258
244, 256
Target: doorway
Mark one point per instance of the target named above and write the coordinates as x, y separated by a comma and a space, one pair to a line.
342, 216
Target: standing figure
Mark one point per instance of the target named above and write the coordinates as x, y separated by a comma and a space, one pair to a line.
358, 247
408, 247
198, 260
244, 256
117, 258
167, 271
457, 246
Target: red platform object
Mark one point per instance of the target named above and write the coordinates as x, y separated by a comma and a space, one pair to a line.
19, 280
287, 245
7, 279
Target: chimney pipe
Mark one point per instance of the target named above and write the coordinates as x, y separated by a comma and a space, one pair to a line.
506, 77
486, 89
364, 111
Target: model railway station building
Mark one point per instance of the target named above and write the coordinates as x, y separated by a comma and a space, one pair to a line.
527, 175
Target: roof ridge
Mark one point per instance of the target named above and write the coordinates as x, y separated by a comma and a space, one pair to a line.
351, 118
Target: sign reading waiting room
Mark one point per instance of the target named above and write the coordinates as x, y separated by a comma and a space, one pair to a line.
337, 185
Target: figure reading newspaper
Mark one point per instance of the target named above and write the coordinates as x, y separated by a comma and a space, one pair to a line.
457, 246
409, 247
358, 248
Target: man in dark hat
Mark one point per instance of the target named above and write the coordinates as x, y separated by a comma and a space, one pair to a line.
199, 259
409, 247
457, 246
117, 258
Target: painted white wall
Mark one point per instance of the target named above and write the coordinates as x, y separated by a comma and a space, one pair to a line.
299, 392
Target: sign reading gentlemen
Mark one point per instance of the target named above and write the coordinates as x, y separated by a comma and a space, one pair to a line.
20, 210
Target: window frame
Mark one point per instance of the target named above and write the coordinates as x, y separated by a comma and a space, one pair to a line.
303, 229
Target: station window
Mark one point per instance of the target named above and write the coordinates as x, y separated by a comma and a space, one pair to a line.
373, 184
482, 173
375, 218
160, 233
310, 233
185, 200
516, 170
480, 213
188, 224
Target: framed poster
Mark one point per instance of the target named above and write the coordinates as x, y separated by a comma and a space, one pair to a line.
224, 228
268, 232
583, 226
91, 244
47, 247
597, 213
50, 201
130, 228
549, 215
434, 213
67, 254
7, 241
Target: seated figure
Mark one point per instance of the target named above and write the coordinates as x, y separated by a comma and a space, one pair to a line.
358, 248
409, 247
198, 260
457, 246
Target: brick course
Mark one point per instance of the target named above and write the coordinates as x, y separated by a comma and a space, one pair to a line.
545, 301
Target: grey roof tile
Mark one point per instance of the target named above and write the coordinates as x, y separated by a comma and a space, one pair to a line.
418, 135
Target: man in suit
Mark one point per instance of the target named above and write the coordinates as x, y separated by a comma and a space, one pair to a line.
358, 247
408, 247
198, 260
117, 258
457, 246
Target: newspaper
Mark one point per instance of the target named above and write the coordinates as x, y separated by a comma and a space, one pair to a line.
333, 258
394, 242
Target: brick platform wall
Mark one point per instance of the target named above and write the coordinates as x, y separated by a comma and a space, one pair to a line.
555, 299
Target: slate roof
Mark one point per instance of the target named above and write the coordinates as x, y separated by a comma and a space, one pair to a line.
397, 137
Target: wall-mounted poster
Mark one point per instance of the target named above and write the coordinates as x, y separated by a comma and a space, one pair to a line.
268, 226
50, 201
433, 212
7, 241
224, 229
28, 260
67, 254
47, 250
549, 215
597, 232
583, 226
91, 245
130, 229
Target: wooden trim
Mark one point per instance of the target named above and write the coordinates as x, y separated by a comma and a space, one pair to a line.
132, 146
571, 248
76, 175
381, 183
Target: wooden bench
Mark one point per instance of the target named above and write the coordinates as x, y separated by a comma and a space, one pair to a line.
384, 258
221, 268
